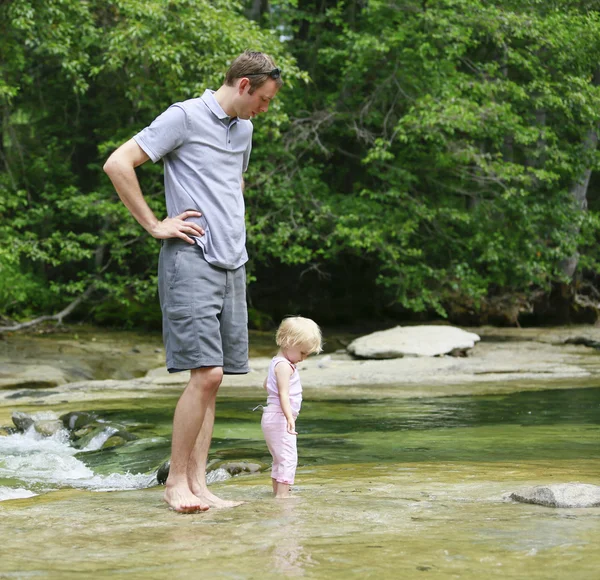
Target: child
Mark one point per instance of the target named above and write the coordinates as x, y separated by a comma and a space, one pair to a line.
297, 338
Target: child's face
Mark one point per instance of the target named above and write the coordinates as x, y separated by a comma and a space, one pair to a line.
296, 353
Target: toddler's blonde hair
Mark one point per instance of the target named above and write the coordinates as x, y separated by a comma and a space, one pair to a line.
296, 331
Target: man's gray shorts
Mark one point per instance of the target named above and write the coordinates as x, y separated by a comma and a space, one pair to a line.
204, 312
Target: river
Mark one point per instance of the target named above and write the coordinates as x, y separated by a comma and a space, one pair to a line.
389, 485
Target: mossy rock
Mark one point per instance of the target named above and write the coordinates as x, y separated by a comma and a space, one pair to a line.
77, 419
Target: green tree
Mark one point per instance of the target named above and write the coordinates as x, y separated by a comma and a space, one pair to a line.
443, 149
450, 142
76, 80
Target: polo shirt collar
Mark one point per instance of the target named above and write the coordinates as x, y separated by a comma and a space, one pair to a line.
209, 99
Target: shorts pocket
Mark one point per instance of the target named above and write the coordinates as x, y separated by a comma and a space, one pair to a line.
172, 263
183, 338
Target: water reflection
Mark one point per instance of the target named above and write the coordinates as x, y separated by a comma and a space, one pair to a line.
288, 556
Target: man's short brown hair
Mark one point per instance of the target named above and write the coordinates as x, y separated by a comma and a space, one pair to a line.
256, 66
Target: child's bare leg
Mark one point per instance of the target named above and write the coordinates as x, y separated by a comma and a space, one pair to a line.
282, 490
274, 485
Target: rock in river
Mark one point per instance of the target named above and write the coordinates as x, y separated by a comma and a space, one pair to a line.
562, 495
412, 341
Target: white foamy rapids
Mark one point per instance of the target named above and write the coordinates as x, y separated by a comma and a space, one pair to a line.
14, 493
32, 458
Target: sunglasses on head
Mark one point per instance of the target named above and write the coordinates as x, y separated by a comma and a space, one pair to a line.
274, 74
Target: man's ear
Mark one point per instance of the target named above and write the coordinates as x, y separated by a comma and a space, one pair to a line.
244, 84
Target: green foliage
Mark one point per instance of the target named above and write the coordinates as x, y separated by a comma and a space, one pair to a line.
76, 80
448, 137
440, 142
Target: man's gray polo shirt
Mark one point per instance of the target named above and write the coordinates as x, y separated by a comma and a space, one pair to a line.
204, 153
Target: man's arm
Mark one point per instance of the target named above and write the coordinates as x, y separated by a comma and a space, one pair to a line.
120, 167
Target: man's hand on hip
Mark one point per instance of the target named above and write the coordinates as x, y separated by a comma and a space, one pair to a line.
177, 227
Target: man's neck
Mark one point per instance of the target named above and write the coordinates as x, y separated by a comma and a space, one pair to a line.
224, 96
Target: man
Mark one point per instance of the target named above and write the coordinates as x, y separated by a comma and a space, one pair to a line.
205, 144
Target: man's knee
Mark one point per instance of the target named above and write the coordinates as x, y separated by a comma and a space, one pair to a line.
206, 378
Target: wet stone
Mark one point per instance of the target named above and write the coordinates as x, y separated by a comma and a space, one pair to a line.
22, 420
48, 427
562, 495
239, 467
77, 419
114, 441
163, 472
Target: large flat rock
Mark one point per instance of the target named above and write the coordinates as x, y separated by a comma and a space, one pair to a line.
560, 495
33, 376
404, 341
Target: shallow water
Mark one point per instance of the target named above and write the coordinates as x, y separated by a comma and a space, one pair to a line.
540, 426
387, 487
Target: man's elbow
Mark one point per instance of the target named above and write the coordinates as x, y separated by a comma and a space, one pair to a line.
112, 164
108, 166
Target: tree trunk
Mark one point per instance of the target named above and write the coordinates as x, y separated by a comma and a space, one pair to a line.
579, 190
579, 196
257, 9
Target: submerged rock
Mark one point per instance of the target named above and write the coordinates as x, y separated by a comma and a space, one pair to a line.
115, 440
412, 341
218, 468
584, 341
561, 495
238, 467
103, 436
29, 393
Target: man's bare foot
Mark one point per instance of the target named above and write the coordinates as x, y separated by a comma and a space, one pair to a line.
182, 500
215, 502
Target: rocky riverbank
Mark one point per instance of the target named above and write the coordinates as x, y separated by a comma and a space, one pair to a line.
42, 371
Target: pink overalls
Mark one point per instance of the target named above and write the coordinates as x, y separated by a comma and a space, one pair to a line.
281, 444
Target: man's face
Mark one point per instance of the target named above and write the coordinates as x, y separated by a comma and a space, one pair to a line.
249, 105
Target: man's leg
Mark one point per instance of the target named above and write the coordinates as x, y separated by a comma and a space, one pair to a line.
198, 460
190, 416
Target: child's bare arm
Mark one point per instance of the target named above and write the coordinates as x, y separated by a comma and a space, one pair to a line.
283, 372
265, 384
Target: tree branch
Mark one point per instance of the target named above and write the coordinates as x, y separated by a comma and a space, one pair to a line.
58, 316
